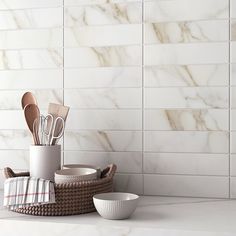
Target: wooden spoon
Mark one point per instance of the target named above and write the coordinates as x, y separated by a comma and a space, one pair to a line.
28, 98
32, 114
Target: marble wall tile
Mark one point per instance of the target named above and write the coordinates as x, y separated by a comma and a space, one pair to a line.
31, 18
15, 139
233, 165
127, 162
131, 183
103, 56
233, 74
11, 99
98, 36
233, 119
31, 59
186, 75
31, 79
233, 97
105, 14
232, 8
103, 77
233, 52
31, 39
105, 120
201, 98
107, 98
233, 187
176, 185
8, 120
233, 141
186, 141
161, 11
186, 54
23, 4
186, 32
197, 120
186, 164
109, 141
91, 2
16, 159
233, 30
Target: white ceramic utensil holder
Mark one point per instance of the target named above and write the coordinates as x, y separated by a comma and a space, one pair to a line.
44, 161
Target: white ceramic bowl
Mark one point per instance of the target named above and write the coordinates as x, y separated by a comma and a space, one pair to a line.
70, 166
75, 175
115, 206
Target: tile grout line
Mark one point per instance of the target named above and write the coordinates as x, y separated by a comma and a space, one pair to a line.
143, 97
63, 70
229, 98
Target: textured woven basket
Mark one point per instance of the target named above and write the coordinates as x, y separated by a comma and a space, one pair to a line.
71, 198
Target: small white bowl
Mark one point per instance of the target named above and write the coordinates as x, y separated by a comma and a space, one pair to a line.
74, 175
70, 166
115, 206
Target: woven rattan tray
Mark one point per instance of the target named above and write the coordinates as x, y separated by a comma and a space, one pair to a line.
71, 198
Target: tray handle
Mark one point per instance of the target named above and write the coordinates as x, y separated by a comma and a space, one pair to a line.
109, 171
9, 173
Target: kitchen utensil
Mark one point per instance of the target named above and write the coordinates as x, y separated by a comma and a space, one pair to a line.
44, 161
50, 130
75, 175
31, 112
57, 110
115, 206
28, 98
70, 166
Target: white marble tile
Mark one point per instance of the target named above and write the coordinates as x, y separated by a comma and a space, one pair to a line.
232, 8
186, 32
233, 165
127, 162
233, 187
186, 54
105, 14
109, 98
233, 97
186, 141
186, 98
31, 39
157, 11
99, 36
233, 119
233, 52
103, 56
197, 186
233, 74
15, 4
233, 30
186, 164
31, 79
103, 77
16, 159
31, 18
186, 75
198, 120
103, 140
104, 120
91, 2
31, 59
233, 142
8, 120
15, 139
11, 99
131, 183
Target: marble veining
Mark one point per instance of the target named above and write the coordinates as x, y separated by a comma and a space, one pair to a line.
105, 14
186, 75
197, 120
186, 32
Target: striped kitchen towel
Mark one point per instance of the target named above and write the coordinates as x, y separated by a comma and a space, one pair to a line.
27, 191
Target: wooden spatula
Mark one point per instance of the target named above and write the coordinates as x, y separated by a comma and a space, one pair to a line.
32, 114
57, 110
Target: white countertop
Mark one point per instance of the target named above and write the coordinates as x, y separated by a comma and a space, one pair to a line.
164, 216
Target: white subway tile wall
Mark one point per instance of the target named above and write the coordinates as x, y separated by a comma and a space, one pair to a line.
151, 85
